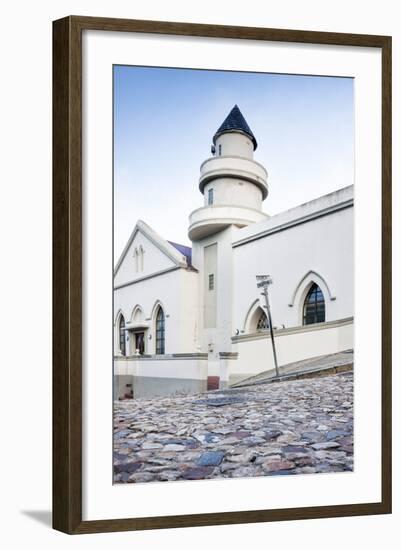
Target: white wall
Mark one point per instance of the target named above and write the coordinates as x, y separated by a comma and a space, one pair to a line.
153, 260
27, 170
255, 353
175, 291
168, 367
210, 284
234, 144
220, 337
288, 256
231, 191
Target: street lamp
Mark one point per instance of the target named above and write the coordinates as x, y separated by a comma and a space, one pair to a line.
263, 281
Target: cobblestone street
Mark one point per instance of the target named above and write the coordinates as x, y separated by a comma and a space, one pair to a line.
293, 427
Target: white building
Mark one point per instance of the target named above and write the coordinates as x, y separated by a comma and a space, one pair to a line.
191, 319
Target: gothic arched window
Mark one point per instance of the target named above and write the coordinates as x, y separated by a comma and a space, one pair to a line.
122, 335
314, 307
160, 332
263, 323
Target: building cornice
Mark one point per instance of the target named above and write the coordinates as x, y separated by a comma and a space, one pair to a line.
150, 276
292, 330
165, 357
228, 355
349, 203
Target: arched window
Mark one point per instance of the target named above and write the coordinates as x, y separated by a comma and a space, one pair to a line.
160, 332
122, 335
314, 307
263, 323
256, 319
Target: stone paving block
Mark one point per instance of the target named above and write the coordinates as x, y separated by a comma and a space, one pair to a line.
294, 427
211, 458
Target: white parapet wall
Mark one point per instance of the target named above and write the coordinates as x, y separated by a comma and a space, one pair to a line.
161, 375
255, 353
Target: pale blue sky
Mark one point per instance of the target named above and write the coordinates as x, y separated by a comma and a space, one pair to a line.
164, 121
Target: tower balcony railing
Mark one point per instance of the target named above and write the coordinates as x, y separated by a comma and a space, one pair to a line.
234, 167
207, 220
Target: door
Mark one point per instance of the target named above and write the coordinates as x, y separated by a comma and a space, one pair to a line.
140, 342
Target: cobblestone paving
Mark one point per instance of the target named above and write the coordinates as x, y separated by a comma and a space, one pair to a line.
294, 427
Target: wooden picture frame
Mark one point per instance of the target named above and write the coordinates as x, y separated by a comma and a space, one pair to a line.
67, 273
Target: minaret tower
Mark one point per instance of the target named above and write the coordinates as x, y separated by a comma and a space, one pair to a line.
234, 187
233, 184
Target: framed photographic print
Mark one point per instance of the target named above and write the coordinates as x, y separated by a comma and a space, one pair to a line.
222, 274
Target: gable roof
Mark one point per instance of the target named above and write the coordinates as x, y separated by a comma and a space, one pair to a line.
185, 250
235, 121
172, 252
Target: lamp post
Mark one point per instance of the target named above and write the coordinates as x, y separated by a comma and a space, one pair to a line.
263, 282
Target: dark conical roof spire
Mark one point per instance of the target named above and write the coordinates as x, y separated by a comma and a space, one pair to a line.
235, 122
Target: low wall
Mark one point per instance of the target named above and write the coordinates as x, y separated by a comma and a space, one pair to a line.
156, 376
227, 361
255, 353
185, 373
123, 387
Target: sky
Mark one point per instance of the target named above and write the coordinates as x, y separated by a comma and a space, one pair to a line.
165, 119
